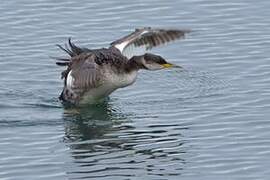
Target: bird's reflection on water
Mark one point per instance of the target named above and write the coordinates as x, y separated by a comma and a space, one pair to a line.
103, 141
89, 128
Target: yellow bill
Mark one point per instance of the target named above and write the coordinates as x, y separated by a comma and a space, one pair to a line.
169, 65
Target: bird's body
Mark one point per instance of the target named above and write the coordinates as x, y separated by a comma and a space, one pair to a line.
92, 75
110, 84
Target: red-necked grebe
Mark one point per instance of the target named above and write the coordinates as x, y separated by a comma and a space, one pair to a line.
93, 74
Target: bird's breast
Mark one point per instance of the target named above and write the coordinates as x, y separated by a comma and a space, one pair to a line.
111, 83
122, 79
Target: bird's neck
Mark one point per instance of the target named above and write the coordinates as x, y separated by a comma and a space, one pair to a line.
134, 64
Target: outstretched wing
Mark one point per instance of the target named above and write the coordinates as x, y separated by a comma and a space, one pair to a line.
146, 38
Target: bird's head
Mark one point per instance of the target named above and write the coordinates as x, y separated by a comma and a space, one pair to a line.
154, 62
150, 62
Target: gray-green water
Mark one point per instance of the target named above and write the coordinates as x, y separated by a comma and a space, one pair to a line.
210, 121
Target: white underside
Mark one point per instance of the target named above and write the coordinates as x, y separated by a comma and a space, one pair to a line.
70, 79
97, 94
110, 84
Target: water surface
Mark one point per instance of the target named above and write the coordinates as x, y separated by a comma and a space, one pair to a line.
208, 121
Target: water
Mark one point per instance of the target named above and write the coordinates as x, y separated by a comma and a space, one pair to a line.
208, 121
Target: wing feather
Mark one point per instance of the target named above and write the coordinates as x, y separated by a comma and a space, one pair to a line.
84, 71
147, 38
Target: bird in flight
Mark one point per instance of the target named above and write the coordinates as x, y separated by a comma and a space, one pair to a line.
93, 74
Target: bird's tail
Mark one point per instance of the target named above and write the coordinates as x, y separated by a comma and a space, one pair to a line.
72, 50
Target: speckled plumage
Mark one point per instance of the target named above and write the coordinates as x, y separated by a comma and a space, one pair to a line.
93, 74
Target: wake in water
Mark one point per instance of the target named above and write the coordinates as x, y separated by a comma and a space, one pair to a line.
189, 83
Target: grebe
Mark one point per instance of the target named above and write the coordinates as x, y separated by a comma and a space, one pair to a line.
93, 74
